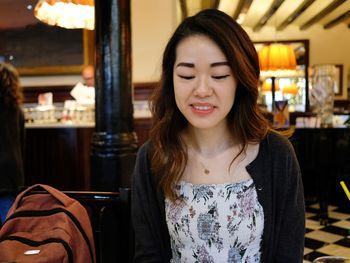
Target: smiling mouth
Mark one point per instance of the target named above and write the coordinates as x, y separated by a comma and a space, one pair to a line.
207, 108
202, 108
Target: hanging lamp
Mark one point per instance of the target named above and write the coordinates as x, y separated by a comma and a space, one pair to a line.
69, 14
277, 59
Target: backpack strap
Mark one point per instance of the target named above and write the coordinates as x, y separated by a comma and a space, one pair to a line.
61, 197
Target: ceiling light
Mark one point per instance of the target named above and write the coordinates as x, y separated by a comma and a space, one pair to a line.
66, 13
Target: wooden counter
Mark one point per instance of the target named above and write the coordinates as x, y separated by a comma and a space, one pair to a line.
59, 154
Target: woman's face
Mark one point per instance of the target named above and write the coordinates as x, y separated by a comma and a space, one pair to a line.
204, 85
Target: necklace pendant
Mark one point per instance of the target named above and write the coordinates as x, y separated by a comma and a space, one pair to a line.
206, 171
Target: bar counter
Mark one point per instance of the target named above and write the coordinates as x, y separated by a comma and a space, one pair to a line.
56, 125
58, 154
324, 158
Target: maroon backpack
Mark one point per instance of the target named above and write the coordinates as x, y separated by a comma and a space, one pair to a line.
45, 225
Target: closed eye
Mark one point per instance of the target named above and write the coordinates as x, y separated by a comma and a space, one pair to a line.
220, 77
186, 77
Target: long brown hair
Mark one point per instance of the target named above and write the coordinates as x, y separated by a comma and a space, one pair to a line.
10, 89
245, 121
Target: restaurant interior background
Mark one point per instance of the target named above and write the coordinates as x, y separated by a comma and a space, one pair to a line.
154, 20
320, 30
57, 151
317, 29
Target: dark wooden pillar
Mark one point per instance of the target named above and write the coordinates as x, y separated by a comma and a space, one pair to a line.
114, 142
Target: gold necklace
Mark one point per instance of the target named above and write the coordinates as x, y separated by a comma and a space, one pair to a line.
205, 169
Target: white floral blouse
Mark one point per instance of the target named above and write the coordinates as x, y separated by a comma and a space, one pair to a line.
215, 223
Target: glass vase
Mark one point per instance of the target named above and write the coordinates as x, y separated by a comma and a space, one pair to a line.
322, 93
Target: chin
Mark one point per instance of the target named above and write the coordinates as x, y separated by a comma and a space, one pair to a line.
201, 125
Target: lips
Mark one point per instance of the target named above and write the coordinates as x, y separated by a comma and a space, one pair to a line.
202, 108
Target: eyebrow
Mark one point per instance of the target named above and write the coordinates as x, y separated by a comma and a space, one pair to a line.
191, 65
225, 63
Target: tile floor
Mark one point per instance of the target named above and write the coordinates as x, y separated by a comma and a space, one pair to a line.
333, 239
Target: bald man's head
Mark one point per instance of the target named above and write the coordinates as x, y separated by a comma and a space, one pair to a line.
88, 75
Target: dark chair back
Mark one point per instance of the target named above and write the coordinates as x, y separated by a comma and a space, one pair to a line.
110, 217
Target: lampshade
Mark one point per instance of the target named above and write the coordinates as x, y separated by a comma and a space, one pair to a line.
277, 57
267, 86
291, 89
66, 13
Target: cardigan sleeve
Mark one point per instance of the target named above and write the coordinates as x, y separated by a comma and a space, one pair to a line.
290, 242
151, 242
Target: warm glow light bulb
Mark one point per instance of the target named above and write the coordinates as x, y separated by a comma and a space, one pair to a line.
67, 14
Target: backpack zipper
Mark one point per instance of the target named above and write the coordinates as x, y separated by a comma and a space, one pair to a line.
36, 213
43, 242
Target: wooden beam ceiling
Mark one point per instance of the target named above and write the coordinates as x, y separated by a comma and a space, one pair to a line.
183, 7
210, 4
263, 20
337, 20
253, 13
242, 8
216, 3
302, 7
322, 14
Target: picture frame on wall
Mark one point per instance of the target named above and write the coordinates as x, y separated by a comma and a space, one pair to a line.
44, 50
338, 87
36, 48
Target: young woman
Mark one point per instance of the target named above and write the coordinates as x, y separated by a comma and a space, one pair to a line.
11, 138
214, 183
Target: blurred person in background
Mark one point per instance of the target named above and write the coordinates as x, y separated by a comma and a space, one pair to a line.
88, 75
11, 138
84, 92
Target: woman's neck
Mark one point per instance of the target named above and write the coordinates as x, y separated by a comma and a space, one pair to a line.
210, 142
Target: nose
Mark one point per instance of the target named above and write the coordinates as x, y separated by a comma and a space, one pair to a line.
203, 88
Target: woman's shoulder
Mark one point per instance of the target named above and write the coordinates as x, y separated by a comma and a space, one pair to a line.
278, 142
144, 155
145, 149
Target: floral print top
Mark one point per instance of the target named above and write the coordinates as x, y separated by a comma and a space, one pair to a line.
215, 223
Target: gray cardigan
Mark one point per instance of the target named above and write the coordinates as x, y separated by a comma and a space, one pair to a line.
277, 178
